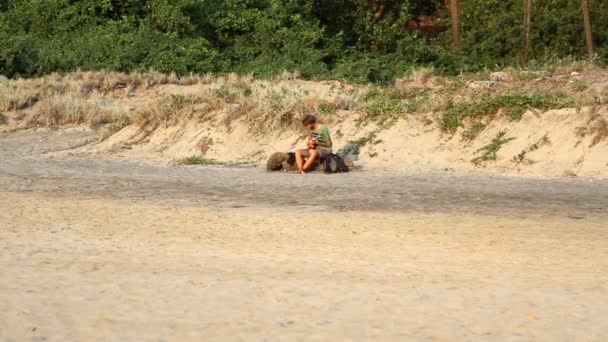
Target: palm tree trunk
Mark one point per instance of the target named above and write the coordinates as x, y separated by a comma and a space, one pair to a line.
587, 24
454, 16
524, 52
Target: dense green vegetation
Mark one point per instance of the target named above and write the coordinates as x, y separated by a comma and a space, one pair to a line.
359, 40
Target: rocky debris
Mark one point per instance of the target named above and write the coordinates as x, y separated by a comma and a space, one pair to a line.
121, 146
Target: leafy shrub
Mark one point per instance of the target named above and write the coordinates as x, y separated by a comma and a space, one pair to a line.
363, 41
489, 151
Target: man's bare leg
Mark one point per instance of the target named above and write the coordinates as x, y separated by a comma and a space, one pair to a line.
300, 155
311, 159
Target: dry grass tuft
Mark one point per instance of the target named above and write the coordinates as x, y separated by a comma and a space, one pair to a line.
208, 79
347, 101
422, 75
100, 81
176, 109
597, 127
204, 144
287, 76
17, 95
189, 80
116, 126
155, 78
276, 105
54, 100
60, 110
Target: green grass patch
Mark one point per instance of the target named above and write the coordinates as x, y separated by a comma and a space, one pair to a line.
384, 106
489, 151
369, 137
198, 160
473, 131
579, 85
513, 105
178, 101
383, 111
3, 119
521, 156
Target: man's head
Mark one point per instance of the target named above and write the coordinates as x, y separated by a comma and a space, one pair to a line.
309, 121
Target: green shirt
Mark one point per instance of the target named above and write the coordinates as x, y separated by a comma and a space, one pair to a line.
321, 134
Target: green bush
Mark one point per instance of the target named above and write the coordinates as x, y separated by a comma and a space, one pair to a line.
358, 40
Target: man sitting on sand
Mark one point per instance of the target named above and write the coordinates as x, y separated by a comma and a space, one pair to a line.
318, 142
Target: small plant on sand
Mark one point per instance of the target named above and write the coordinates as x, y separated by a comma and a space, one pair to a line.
3, 119
204, 144
352, 149
369, 137
473, 131
198, 160
521, 156
195, 160
596, 127
166, 112
114, 127
325, 107
489, 151
181, 101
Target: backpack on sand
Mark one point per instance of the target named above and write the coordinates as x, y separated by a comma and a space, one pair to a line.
334, 164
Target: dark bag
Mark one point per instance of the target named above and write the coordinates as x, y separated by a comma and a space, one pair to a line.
292, 158
334, 164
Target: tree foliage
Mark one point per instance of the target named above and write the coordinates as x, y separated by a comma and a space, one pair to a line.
364, 40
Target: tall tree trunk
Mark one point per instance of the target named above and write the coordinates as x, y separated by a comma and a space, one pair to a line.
587, 24
526, 43
454, 16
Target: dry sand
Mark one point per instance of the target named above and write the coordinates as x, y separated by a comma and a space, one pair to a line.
109, 249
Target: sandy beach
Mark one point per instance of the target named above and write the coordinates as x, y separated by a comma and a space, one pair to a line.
112, 249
